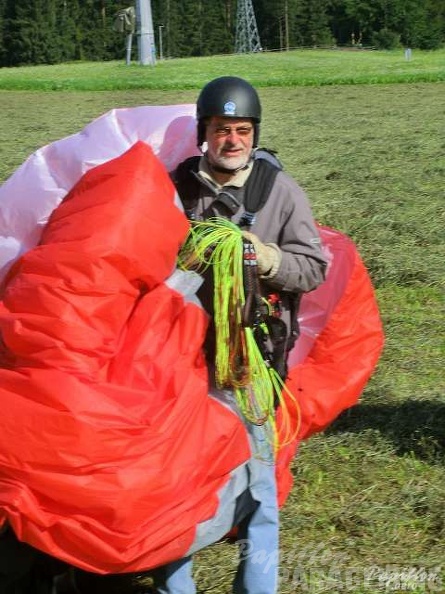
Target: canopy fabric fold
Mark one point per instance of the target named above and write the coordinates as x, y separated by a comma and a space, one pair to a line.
113, 457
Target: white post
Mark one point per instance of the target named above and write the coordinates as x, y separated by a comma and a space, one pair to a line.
146, 41
129, 44
160, 42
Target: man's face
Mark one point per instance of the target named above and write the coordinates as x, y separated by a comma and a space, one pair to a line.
229, 142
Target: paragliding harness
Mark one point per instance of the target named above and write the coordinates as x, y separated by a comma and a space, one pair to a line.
264, 316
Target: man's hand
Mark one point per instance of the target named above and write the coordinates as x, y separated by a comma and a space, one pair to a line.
268, 255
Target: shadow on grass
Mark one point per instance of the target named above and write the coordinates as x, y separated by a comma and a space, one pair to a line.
414, 426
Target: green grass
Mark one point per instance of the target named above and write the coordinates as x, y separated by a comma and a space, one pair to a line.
294, 68
368, 501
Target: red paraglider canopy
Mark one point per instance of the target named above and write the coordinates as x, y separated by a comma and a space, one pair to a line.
112, 455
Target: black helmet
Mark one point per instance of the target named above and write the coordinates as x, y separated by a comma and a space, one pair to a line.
230, 97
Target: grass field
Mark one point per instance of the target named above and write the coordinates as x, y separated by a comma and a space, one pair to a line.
367, 513
295, 68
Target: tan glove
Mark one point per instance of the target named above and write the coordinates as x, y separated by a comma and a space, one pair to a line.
268, 255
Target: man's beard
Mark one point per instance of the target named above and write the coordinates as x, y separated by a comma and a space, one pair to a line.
228, 164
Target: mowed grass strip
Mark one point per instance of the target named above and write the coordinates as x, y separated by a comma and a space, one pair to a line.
294, 68
367, 506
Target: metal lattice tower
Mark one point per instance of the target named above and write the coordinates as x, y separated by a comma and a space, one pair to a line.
247, 38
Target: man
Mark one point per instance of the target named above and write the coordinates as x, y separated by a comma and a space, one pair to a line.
229, 180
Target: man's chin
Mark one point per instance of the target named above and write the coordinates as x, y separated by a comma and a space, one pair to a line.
231, 164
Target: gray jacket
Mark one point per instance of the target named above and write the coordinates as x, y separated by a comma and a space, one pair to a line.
285, 220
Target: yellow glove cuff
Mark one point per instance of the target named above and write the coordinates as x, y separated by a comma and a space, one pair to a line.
270, 262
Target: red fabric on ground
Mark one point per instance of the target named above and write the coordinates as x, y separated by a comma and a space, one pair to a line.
106, 457
111, 451
343, 357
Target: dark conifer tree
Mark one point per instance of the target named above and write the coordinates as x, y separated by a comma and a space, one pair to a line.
312, 23
216, 35
30, 32
2, 27
50, 31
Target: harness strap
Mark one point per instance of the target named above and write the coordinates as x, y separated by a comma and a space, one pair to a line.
255, 192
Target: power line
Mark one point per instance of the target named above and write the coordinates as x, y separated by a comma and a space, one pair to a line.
247, 38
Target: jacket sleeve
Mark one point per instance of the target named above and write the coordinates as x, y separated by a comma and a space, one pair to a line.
287, 222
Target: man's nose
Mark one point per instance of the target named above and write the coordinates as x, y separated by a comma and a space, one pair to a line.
233, 137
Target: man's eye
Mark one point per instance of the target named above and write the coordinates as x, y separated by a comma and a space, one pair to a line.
227, 131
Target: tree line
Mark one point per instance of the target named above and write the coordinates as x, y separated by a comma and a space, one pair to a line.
53, 31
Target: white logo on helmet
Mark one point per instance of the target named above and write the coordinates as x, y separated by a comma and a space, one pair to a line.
229, 108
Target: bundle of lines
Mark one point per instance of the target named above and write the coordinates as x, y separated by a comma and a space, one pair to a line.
240, 364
